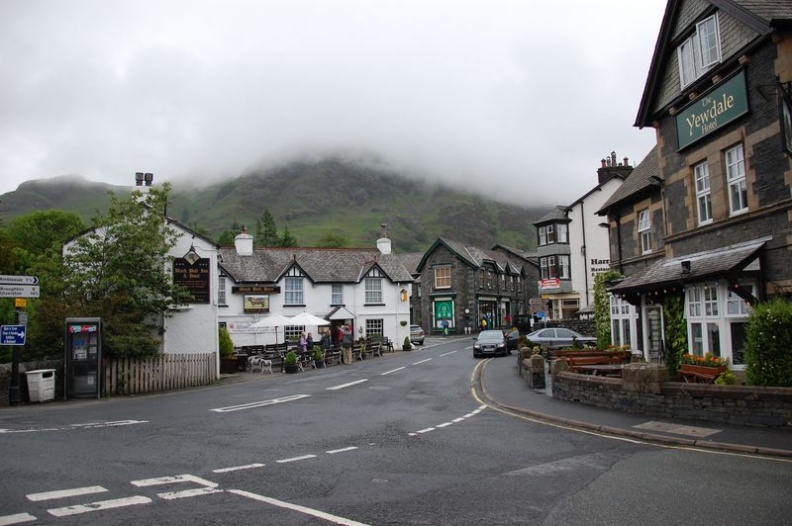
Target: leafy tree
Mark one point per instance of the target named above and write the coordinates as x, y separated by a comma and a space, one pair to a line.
40, 230
226, 239
226, 344
267, 231
676, 340
287, 239
768, 344
331, 240
120, 271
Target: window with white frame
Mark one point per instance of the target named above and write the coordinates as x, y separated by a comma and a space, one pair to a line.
703, 319
561, 234
221, 291
703, 193
293, 292
547, 235
373, 290
374, 327
563, 267
735, 305
623, 318
700, 51
644, 231
548, 268
442, 276
337, 296
735, 174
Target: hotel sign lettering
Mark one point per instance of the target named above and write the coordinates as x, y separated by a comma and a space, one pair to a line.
720, 106
255, 289
194, 278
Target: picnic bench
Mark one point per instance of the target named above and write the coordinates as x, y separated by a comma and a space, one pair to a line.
333, 355
699, 375
367, 348
597, 365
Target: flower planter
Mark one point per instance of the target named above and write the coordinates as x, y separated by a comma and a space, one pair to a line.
228, 365
319, 364
699, 373
291, 369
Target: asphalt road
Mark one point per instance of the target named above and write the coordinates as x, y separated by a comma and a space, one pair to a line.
400, 439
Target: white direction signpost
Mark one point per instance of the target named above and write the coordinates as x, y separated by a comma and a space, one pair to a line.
19, 291
18, 280
19, 287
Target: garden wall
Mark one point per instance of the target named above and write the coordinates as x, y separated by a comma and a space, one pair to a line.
735, 404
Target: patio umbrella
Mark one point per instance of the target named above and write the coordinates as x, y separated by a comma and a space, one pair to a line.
306, 318
274, 321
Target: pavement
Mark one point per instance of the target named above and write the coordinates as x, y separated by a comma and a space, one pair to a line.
500, 385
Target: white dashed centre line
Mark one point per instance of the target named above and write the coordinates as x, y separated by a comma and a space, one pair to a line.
237, 468
350, 384
295, 459
422, 361
392, 371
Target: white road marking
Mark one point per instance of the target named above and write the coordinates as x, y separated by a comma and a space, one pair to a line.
64, 493
16, 519
457, 420
342, 386
238, 468
159, 481
444, 424
294, 459
447, 353
426, 430
335, 519
422, 361
342, 450
98, 506
183, 494
392, 371
261, 403
92, 425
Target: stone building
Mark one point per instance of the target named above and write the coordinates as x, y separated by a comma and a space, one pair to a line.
712, 228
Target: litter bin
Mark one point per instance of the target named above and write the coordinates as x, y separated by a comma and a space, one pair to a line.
41, 385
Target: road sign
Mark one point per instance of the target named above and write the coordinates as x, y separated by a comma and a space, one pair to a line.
12, 335
18, 280
19, 291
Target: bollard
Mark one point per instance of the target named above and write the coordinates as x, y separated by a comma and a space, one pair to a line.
538, 372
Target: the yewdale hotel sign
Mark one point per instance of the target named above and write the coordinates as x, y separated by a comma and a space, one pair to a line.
721, 105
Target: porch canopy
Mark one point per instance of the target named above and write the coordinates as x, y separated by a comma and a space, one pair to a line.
726, 262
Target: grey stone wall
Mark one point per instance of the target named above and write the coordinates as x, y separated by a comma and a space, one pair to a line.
738, 405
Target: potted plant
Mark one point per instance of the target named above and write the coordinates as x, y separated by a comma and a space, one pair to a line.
318, 357
694, 368
228, 362
290, 363
407, 343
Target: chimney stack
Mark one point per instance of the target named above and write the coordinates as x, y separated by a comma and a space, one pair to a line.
243, 243
610, 169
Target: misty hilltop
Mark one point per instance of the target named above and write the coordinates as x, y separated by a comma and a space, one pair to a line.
314, 199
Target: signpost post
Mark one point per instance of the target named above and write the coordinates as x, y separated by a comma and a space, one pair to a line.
16, 287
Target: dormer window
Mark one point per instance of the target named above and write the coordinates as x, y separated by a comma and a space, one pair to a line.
550, 234
699, 52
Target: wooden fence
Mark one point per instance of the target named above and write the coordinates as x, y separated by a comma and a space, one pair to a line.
166, 372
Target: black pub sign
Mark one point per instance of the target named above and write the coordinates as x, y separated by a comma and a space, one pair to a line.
194, 278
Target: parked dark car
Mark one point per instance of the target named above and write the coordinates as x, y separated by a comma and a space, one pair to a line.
559, 337
490, 342
512, 340
417, 335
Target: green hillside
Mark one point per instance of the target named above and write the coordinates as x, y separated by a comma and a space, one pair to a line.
312, 200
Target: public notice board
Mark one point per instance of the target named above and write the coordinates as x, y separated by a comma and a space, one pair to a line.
194, 278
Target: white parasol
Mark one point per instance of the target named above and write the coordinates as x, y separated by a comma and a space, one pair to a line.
306, 318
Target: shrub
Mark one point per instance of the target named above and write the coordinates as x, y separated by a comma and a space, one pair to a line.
726, 378
226, 344
407, 343
290, 358
768, 345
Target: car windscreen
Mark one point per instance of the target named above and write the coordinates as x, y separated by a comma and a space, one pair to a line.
490, 336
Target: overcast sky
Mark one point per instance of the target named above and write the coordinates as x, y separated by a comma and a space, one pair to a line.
521, 98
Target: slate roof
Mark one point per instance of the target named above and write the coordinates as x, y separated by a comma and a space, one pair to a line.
645, 176
559, 213
703, 265
476, 257
321, 265
760, 15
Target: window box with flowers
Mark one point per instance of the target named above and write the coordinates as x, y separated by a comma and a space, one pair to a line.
701, 369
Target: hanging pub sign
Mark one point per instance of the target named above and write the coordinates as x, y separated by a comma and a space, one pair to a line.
193, 277
712, 111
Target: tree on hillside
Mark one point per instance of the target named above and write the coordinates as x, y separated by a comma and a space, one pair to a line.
266, 231
331, 240
226, 239
287, 239
120, 272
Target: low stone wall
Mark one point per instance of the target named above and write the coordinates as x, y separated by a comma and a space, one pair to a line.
648, 393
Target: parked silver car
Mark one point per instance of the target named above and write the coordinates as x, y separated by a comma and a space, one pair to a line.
417, 335
556, 338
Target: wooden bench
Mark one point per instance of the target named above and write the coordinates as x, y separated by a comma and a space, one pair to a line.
333, 355
585, 364
700, 375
